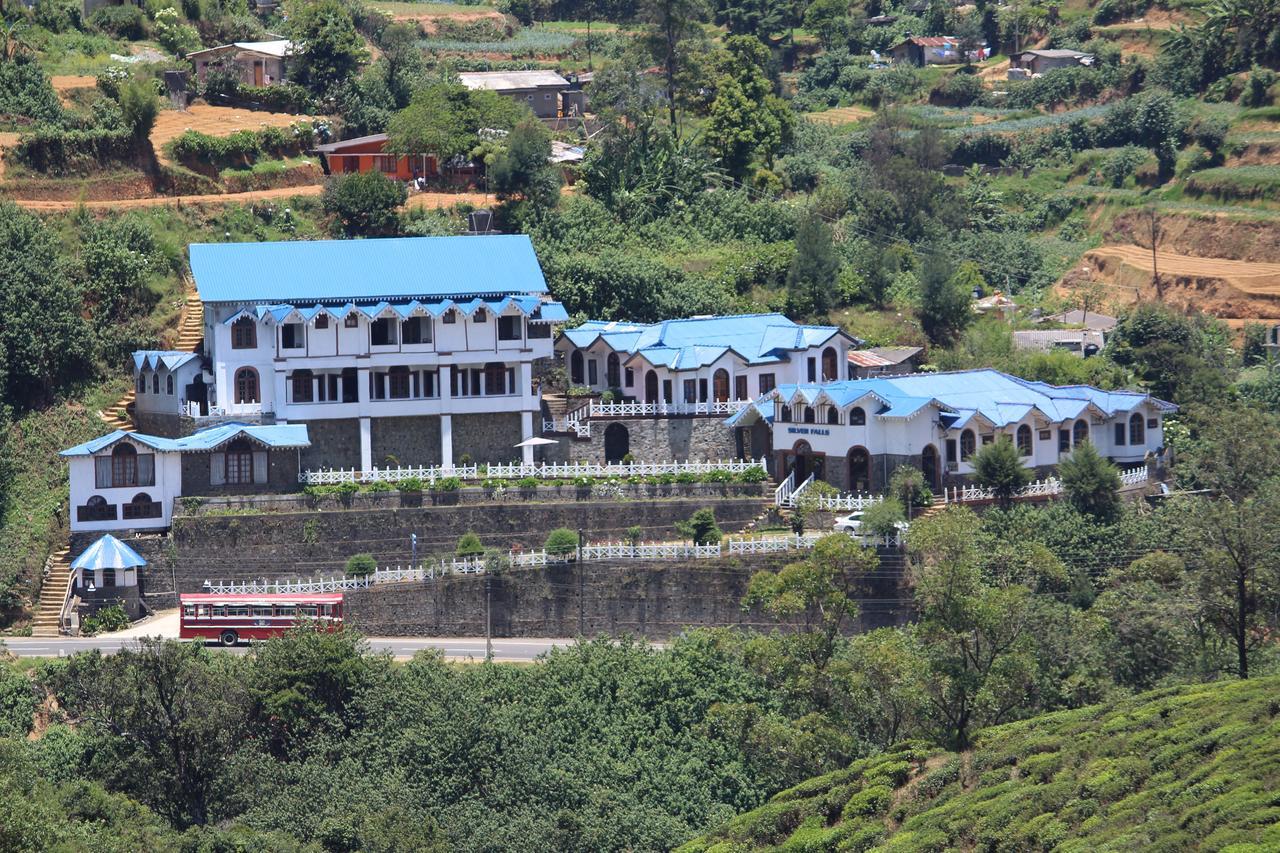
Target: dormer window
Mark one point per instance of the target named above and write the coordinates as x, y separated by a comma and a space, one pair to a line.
322, 321
351, 321
480, 316
449, 318
244, 334
382, 332
292, 336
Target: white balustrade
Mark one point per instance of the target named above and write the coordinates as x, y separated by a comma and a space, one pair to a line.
518, 471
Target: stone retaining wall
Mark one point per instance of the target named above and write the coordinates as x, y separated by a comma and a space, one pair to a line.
647, 599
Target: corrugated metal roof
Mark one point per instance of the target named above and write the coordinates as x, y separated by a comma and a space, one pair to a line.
171, 359
275, 436
504, 81
867, 358
999, 397
340, 271
108, 553
331, 147
279, 48
699, 341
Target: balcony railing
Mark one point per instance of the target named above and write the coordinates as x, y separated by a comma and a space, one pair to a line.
638, 410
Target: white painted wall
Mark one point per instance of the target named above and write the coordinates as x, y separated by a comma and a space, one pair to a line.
168, 485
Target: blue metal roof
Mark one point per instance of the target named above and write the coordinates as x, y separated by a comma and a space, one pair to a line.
108, 553
341, 271
274, 436
170, 359
547, 312
1000, 398
699, 341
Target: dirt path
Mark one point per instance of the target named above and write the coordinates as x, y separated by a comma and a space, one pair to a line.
1250, 277
63, 82
841, 115
426, 200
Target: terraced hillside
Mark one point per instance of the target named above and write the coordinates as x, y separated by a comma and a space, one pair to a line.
1180, 769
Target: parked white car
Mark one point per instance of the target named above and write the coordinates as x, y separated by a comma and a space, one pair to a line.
852, 524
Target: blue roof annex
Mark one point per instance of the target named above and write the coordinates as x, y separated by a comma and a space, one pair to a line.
302, 272
699, 341
961, 396
272, 436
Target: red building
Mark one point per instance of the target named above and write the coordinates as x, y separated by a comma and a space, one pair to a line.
364, 154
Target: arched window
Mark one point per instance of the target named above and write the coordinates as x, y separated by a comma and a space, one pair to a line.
830, 368
720, 385
141, 506
968, 444
244, 333
575, 367
613, 371
857, 417
168, 385
784, 415
142, 382
1080, 433
246, 386
1137, 429
124, 466
239, 462
302, 386
155, 382
808, 414
833, 415
1024, 440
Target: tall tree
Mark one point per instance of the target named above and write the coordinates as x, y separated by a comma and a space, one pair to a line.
329, 49
524, 169
812, 276
445, 119
945, 298
671, 22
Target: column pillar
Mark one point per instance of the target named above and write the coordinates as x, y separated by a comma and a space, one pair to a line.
526, 433
446, 441
366, 444
446, 383
524, 378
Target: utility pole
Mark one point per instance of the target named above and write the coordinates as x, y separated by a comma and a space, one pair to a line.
581, 609
488, 619
1154, 224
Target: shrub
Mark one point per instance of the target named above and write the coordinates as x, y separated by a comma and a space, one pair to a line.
469, 545
634, 532
561, 542
364, 204
347, 488
701, 527
410, 484
754, 475
958, 90
718, 475
448, 484
361, 565
1257, 92
527, 482
110, 618
883, 517
379, 486
55, 150
124, 22
139, 106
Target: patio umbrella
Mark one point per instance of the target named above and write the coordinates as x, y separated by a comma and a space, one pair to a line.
108, 553
536, 441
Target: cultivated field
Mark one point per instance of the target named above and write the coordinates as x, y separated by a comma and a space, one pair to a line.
841, 115
1225, 288
215, 121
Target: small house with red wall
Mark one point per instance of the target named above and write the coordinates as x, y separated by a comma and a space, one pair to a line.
365, 154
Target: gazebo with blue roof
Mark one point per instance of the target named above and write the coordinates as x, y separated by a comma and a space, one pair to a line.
106, 573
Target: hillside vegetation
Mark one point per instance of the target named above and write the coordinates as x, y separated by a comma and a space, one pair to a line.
1192, 768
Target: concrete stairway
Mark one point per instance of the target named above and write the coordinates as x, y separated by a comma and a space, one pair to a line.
191, 323
120, 415
53, 593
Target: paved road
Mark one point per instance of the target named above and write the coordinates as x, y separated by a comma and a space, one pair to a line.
454, 648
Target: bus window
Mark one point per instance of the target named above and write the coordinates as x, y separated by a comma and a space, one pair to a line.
284, 610
262, 611
308, 610
238, 610
189, 611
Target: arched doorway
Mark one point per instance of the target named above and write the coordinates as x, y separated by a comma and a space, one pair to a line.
929, 465
617, 442
859, 470
830, 366
802, 461
575, 367
720, 385
651, 387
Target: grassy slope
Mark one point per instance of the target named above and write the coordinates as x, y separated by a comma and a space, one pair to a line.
1193, 768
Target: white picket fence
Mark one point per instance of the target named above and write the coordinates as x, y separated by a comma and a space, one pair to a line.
1040, 488
517, 470
596, 409
787, 496
732, 545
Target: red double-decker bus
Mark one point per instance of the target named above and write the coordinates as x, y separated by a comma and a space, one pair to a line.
232, 618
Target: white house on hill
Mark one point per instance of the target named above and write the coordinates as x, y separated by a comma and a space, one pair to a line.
703, 359
407, 351
854, 434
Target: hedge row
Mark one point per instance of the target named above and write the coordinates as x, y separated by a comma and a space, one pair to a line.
54, 150
242, 148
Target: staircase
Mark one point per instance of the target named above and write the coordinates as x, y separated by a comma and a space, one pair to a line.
191, 323
931, 510
53, 594
120, 415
